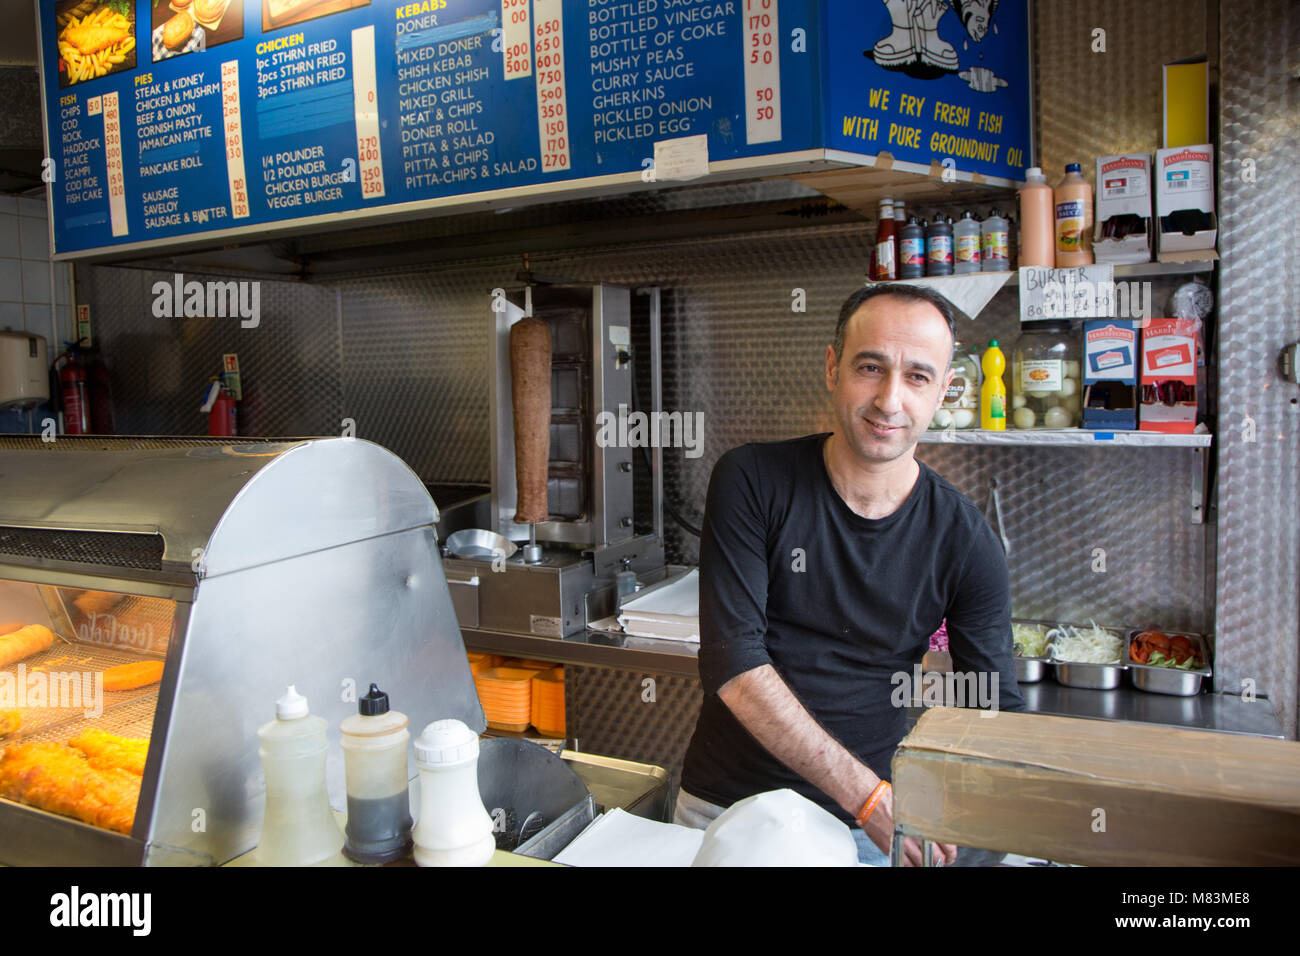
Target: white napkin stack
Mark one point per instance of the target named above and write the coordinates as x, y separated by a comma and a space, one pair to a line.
669, 610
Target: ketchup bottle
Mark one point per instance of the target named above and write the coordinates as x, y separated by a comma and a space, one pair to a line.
886, 243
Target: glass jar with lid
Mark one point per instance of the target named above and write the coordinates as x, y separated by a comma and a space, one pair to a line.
961, 403
1047, 377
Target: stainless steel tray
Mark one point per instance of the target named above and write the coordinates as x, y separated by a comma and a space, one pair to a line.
1030, 670
1090, 676
1073, 673
1169, 680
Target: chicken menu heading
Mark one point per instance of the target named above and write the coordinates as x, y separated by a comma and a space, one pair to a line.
176, 120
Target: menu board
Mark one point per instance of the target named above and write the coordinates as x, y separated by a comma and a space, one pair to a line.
173, 121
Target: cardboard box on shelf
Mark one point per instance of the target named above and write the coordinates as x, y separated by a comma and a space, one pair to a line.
1110, 364
1188, 226
1099, 792
1187, 102
1123, 192
1170, 349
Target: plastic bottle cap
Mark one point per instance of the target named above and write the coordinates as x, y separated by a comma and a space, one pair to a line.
291, 706
968, 215
1073, 168
445, 742
374, 703
1034, 173
993, 343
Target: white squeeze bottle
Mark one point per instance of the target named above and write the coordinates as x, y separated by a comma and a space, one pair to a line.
1073, 220
298, 828
454, 828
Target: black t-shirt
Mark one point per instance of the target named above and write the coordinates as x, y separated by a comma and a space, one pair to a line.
839, 604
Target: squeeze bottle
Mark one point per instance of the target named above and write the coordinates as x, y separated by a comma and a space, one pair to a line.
1037, 223
1073, 220
993, 393
298, 828
454, 828
374, 760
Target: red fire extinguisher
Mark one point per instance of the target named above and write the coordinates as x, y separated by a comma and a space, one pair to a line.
72, 389
221, 412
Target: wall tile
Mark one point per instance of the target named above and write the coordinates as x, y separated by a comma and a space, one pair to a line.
37, 319
9, 235
11, 316
32, 207
34, 238
36, 280
11, 281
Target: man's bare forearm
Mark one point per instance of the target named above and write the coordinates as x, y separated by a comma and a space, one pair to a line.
768, 709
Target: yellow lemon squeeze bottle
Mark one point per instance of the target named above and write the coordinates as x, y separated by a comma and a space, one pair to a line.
993, 394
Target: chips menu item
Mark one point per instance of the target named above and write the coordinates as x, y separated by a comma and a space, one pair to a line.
96, 43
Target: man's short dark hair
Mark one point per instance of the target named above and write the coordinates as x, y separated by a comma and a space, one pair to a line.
899, 290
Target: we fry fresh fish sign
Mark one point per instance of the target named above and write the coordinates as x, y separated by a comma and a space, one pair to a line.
944, 81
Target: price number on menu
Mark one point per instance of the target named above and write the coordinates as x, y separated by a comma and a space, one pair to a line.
516, 38
113, 161
762, 61
233, 128
552, 103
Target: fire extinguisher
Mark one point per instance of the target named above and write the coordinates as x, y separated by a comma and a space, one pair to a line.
221, 409
72, 391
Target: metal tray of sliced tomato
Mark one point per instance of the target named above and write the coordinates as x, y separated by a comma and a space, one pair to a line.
1168, 662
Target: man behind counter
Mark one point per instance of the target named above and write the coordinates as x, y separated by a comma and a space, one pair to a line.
826, 563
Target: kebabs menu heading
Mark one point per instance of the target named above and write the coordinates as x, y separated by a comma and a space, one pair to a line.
171, 120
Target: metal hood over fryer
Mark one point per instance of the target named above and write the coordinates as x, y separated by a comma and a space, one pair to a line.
313, 563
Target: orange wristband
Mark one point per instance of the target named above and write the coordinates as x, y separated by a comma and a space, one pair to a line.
865, 813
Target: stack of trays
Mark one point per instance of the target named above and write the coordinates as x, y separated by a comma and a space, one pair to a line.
506, 696
548, 702
478, 663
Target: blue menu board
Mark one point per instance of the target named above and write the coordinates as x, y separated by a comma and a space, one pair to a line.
182, 121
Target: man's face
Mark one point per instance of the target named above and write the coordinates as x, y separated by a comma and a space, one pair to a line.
891, 377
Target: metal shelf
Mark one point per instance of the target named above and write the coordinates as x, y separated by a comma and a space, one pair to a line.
1141, 270
1065, 437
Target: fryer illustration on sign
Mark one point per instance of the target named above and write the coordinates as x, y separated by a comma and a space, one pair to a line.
913, 45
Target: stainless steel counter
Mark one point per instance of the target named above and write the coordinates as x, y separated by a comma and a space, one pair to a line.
1220, 712
1217, 712
591, 647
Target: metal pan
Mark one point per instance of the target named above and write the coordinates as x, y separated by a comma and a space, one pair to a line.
1169, 680
475, 544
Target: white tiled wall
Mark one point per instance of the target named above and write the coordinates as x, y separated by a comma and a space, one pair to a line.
28, 281
28, 278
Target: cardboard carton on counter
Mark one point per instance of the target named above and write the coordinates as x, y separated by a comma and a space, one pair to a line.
1099, 792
